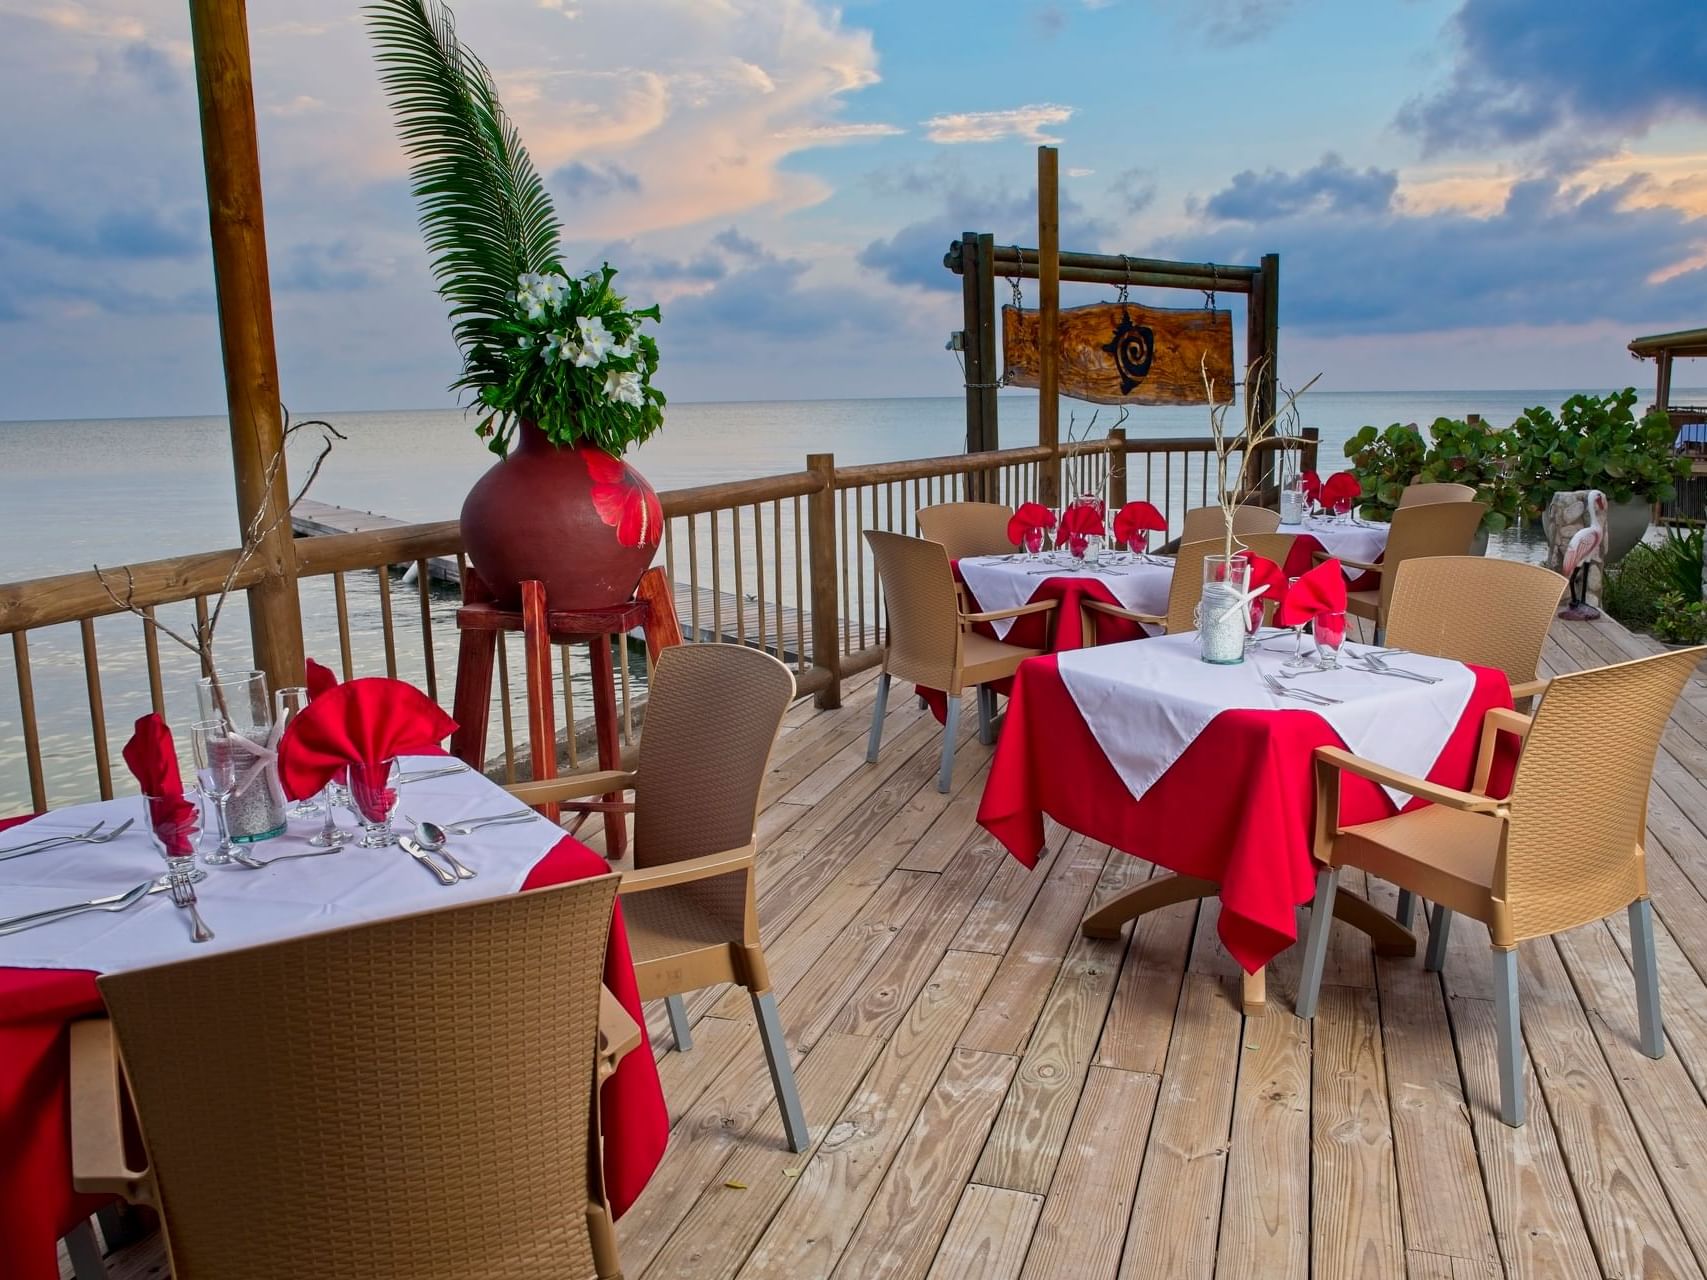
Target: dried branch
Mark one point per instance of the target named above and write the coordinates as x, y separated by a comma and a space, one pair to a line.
1231, 496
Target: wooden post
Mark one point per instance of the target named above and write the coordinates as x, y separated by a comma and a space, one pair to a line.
220, 31
1048, 337
978, 294
1271, 333
1662, 380
1116, 472
821, 527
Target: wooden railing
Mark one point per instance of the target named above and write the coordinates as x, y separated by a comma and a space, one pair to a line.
778, 562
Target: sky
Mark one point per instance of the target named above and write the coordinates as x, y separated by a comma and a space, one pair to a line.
1463, 193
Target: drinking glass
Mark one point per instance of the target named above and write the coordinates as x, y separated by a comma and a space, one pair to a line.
174, 825
374, 789
1221, 617
330, 835
1329, 636
1299, 658
255, 811
1033, 543
216, 774
288, 703
1292, 502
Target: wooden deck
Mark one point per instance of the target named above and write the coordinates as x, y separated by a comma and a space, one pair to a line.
993, 1095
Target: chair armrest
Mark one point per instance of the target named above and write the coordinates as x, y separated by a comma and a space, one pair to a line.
572, 787
98, 1163
1529, 689
640, 879
1036, 606
1495, 721
1339, 758
1115, 611
619, 1034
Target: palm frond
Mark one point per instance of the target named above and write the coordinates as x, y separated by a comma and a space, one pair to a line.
486, 216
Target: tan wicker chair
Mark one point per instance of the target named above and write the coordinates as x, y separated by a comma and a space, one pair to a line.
1431, 529
1185, 588
967, 528
1421, 493
1490, 612
414, 1099
712, 715
931, 639
1208, 522
1563, 850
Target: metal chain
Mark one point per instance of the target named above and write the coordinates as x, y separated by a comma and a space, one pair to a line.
1214, 279
1013, 280
1125, 270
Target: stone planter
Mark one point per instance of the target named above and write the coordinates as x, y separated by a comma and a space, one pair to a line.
1626, 524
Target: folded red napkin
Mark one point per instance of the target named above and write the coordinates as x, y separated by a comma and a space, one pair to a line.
361, 723
1341, 491
320, 679
1031, 515
153, 759
1322, 590
1132, 520
1312, 486
1265, 573
1080, 521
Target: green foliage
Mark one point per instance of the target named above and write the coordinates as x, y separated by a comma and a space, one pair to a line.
1596, 442
493, 232
1680, 620
1634, 586
1454, 451
1679, 558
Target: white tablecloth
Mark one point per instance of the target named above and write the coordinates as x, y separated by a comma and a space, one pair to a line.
997, 583
1146, 701
1365, 542
243, 907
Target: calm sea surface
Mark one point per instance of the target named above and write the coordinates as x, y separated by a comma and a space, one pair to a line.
77, 493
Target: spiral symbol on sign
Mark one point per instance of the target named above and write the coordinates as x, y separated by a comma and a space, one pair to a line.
1133, 348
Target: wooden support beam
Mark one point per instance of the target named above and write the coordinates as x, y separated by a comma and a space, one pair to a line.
978, 293
1049, 308
821, 565
1007, 257
220, 32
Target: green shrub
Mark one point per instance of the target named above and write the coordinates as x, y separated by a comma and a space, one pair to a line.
1634, 587
1595, 442
1454, 451
1680, 620
1680, 558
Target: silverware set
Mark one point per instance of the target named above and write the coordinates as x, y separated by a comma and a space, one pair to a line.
1302, 695
94, 835
1376, 665
112, 902
423, 775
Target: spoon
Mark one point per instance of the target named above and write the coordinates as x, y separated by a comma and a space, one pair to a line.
415, 851
432, 837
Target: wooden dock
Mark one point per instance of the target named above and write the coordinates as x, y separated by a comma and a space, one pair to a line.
993, 1095
713, 615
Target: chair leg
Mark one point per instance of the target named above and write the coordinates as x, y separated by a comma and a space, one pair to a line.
85, 1252
986, 715
678, 1013
950, 734
1439, 929
1510, 1033
1316, 946
782, 1072
1647, 968
1406, 912
879, 709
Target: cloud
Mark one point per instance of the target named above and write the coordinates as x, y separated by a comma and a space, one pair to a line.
130, 233
1551, 254
768, 296
738, 245
1330, 186
1226, 21
338, 267
992, 126
581, 181
913, 255
1567, 70
1136, 189
851, 131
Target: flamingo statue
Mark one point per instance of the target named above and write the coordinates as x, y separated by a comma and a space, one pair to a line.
1585, 547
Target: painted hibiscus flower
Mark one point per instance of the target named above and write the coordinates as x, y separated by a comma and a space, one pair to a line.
622, 499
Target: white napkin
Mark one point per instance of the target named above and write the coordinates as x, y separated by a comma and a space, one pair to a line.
1146, 701
1362, 542
998, 583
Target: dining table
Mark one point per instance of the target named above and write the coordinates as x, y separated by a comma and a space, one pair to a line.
1350, 539
48, 973
1207, 770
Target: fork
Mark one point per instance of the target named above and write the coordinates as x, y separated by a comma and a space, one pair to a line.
257, 864
31, 844
54, 842
1303, 695
1375, 664
184, 895
501, 819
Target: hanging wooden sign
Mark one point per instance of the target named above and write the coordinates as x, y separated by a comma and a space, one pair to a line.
1123, 353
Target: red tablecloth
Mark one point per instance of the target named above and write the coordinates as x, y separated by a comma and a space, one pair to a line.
1236, 808
37, 1204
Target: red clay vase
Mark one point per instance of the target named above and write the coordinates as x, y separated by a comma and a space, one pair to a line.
581, 521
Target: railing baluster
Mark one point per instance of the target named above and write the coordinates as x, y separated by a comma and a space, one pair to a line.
151, 652
621, 643
563, 658
504, 707
344, 655
424, 582
799, 590
759, 569
859, 555
385, 621
740, 584
32, 731
693, 573
716, 582
670, 552
842, 594
776, 570
97, 712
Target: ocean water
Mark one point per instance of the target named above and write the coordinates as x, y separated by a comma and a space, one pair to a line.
79, 493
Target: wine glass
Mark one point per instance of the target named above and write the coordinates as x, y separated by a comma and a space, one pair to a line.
1299, 658
374, 789
1033, 542
216, 774
1329, 633
288, 703
174, 825
330, 835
